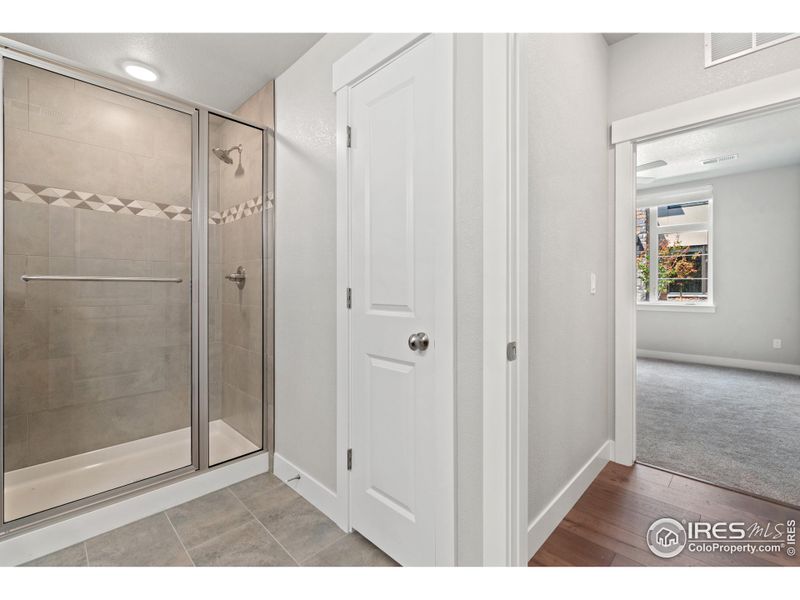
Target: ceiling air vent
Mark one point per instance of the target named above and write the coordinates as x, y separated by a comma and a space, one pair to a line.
719, 159
725, 46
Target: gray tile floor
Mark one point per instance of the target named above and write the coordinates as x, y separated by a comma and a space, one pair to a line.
257, 522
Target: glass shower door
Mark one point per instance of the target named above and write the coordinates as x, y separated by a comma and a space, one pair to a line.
97, 306
236, 289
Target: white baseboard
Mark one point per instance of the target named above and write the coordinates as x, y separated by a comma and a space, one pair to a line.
23, 547
721, 361
548, 519
322, 497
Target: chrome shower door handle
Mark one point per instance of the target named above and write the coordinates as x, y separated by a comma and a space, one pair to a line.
239, 277
419, 342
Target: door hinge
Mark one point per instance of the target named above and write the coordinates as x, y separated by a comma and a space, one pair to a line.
511, 351
349, 137
349, 298
349, 459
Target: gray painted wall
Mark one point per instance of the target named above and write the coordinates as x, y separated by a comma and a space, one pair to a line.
305, 260
569, 238
756, 282
305, 305
651, 70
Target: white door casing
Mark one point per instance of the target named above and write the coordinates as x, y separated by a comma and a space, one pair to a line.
400, 196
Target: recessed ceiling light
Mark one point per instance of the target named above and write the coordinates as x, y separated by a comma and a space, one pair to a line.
140, 71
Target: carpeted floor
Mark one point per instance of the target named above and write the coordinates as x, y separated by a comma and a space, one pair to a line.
732, 427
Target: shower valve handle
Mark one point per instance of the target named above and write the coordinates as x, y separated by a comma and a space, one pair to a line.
239, 277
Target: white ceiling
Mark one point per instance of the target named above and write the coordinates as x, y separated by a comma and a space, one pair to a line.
762, 142
220, 70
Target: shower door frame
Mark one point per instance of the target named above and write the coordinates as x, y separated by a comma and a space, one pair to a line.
199, 422
267, 292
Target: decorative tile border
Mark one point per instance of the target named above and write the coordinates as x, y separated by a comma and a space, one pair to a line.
40, 194
240, 211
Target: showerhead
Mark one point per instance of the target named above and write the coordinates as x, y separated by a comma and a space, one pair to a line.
225, 155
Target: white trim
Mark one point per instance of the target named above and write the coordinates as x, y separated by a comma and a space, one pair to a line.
19, 549
683, 227
653, 247
721, 361
495, 309
369, 56
752, 96
676, 307
548, 519
342, 312
624, 304
445, 413
518, 124
373, 53
673, 196
505, 257
323, 498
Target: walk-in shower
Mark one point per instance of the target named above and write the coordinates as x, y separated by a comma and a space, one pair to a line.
136, 343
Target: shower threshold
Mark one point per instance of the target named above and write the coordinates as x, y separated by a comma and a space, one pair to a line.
33, 489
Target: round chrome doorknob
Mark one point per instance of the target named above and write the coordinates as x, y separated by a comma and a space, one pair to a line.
419, 341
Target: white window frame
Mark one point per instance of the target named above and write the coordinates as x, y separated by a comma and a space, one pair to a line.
651, 202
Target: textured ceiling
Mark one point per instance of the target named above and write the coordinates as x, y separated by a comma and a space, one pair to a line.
220, 70
762, 142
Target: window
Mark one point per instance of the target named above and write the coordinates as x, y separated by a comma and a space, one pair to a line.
673, 248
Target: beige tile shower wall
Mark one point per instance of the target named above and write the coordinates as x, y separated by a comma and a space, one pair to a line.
241, 357
93, 364
214, 276
69, 134
260, 108
237, 359
242, 397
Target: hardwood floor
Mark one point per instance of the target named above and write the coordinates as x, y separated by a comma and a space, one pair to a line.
607, 526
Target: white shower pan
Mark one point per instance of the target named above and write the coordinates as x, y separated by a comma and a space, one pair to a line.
47, 485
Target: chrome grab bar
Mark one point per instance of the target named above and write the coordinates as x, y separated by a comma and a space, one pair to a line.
99, 278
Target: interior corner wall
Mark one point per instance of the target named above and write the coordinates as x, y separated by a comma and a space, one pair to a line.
305, 254
756, 217
568, 239
652, 70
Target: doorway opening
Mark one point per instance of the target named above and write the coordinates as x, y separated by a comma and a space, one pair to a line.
717, 209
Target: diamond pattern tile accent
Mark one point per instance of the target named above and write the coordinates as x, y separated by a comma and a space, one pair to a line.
240, 211
40, 194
